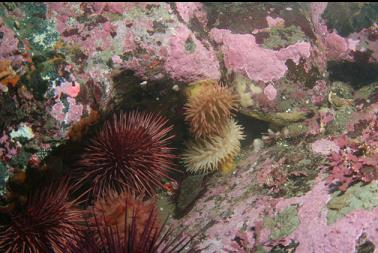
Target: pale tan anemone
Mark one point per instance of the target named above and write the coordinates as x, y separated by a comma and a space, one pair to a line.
210, 154
209, 107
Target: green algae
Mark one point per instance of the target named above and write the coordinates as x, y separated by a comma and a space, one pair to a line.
20, 160
342, 90
342, 117
358, 196
350, 17
190, 46
284, 223
295, 130
280, 37
41, 33
278, 118
37, 81
299, 169
366, 91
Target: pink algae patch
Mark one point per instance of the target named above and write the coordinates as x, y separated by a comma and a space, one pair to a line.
57, 111
295, 52
272, 22
116, 59
71, 89
270, 92
336, 46
74, 112
189, 10
313, 233
190, 66
325, 147
242, 54
9, 42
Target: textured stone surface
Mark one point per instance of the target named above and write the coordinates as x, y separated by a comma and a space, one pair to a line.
62, 63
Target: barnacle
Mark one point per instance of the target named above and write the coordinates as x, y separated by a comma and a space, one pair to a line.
214, 152
209, 105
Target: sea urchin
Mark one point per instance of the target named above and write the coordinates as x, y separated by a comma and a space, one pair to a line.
130, 226
115, 208
48, 223
130, 153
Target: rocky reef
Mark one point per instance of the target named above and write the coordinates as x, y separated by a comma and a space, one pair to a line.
271, 142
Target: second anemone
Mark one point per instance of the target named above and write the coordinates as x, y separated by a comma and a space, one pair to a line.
210, 154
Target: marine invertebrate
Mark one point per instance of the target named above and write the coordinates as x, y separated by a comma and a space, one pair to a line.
209, 106
8, 76
47, 224
118, 209
130, 226
130, 153
216, 151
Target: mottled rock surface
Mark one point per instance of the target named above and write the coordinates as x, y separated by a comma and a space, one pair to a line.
308, 69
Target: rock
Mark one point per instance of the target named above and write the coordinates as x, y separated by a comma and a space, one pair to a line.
283, 224
190, 190
356, 197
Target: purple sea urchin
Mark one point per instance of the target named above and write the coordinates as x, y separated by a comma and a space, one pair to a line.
130, 153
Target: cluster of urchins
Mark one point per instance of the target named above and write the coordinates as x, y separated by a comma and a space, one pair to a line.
121, 167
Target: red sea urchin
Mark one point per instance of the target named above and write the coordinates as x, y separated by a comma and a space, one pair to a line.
48, 223
115, 208
133, 234
130, 153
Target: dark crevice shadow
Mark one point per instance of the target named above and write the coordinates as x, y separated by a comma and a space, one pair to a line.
253, 128
357, 74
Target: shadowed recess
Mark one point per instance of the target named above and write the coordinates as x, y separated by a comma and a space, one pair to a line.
356, 74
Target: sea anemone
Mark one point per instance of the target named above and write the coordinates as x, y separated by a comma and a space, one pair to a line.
135, 229
48, 223
130, 153
209, 106
214, 152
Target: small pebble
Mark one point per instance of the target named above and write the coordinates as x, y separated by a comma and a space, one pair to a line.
175, 87
143, 84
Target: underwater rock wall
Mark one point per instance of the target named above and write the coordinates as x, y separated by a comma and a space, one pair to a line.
65, 66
